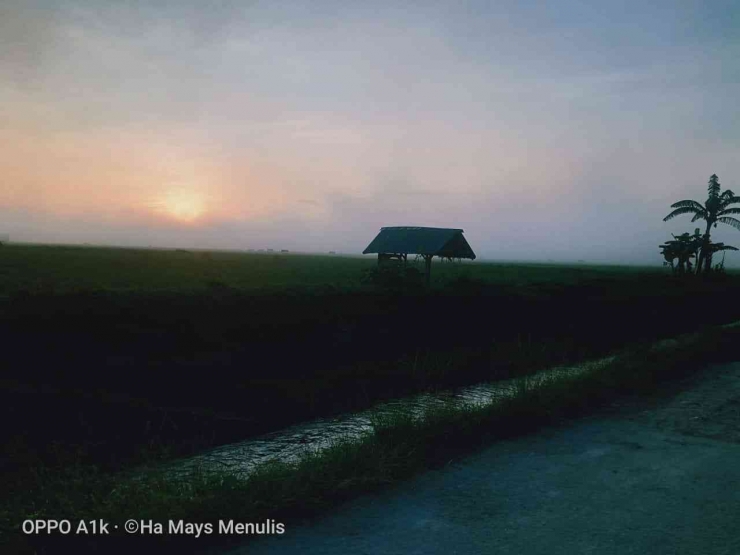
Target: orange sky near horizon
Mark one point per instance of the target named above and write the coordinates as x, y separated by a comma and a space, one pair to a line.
544, 130
119, 175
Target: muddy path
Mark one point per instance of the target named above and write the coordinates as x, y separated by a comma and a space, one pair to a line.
658, 475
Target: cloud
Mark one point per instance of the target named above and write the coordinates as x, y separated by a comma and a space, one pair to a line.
543, 131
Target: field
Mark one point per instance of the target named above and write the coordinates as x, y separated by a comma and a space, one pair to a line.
72, 269
192, 348
118, 357
113, 355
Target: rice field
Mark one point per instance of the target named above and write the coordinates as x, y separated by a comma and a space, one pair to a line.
70, 269
117, 357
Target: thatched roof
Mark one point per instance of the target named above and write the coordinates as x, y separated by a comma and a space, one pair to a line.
435, 241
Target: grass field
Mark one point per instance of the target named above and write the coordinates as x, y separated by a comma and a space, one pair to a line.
399, 447
117, 357
145, 345
69, 269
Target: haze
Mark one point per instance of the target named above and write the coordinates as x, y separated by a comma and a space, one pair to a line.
558, 131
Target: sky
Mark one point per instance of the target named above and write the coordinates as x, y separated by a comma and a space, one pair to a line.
546, 130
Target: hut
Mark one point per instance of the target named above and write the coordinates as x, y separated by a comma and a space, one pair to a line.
396, 243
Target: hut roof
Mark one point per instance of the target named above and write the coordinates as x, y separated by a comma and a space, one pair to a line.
435, 241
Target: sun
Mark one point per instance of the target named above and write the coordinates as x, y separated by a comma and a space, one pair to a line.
184, 206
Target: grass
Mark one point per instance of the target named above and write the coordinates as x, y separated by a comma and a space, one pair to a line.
34, 269
119, 357
401, 446
69, 269
115, 318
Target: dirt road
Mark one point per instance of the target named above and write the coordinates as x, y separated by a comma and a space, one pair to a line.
656, 476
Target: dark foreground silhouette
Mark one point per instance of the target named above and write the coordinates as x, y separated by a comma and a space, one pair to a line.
653, 477
101, 377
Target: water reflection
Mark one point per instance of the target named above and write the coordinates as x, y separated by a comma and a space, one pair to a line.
290, 444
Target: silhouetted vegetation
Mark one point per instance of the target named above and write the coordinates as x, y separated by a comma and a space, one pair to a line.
116, 357
400, 446
679, 252
119, 368
398, 278
716, 209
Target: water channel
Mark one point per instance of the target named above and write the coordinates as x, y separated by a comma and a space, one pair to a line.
288, 445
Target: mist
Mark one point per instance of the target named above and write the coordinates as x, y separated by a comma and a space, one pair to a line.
546, 133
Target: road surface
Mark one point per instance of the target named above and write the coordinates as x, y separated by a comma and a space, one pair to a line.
657, 476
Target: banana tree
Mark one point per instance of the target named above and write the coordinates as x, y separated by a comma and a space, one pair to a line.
715, 248
716, 209
683, 248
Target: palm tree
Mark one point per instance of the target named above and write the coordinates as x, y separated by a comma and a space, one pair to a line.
715, 210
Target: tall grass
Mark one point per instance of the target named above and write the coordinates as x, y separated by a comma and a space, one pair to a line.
400, 446
122, 355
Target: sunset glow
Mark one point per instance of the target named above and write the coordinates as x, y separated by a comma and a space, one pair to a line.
539, 129
184, 207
